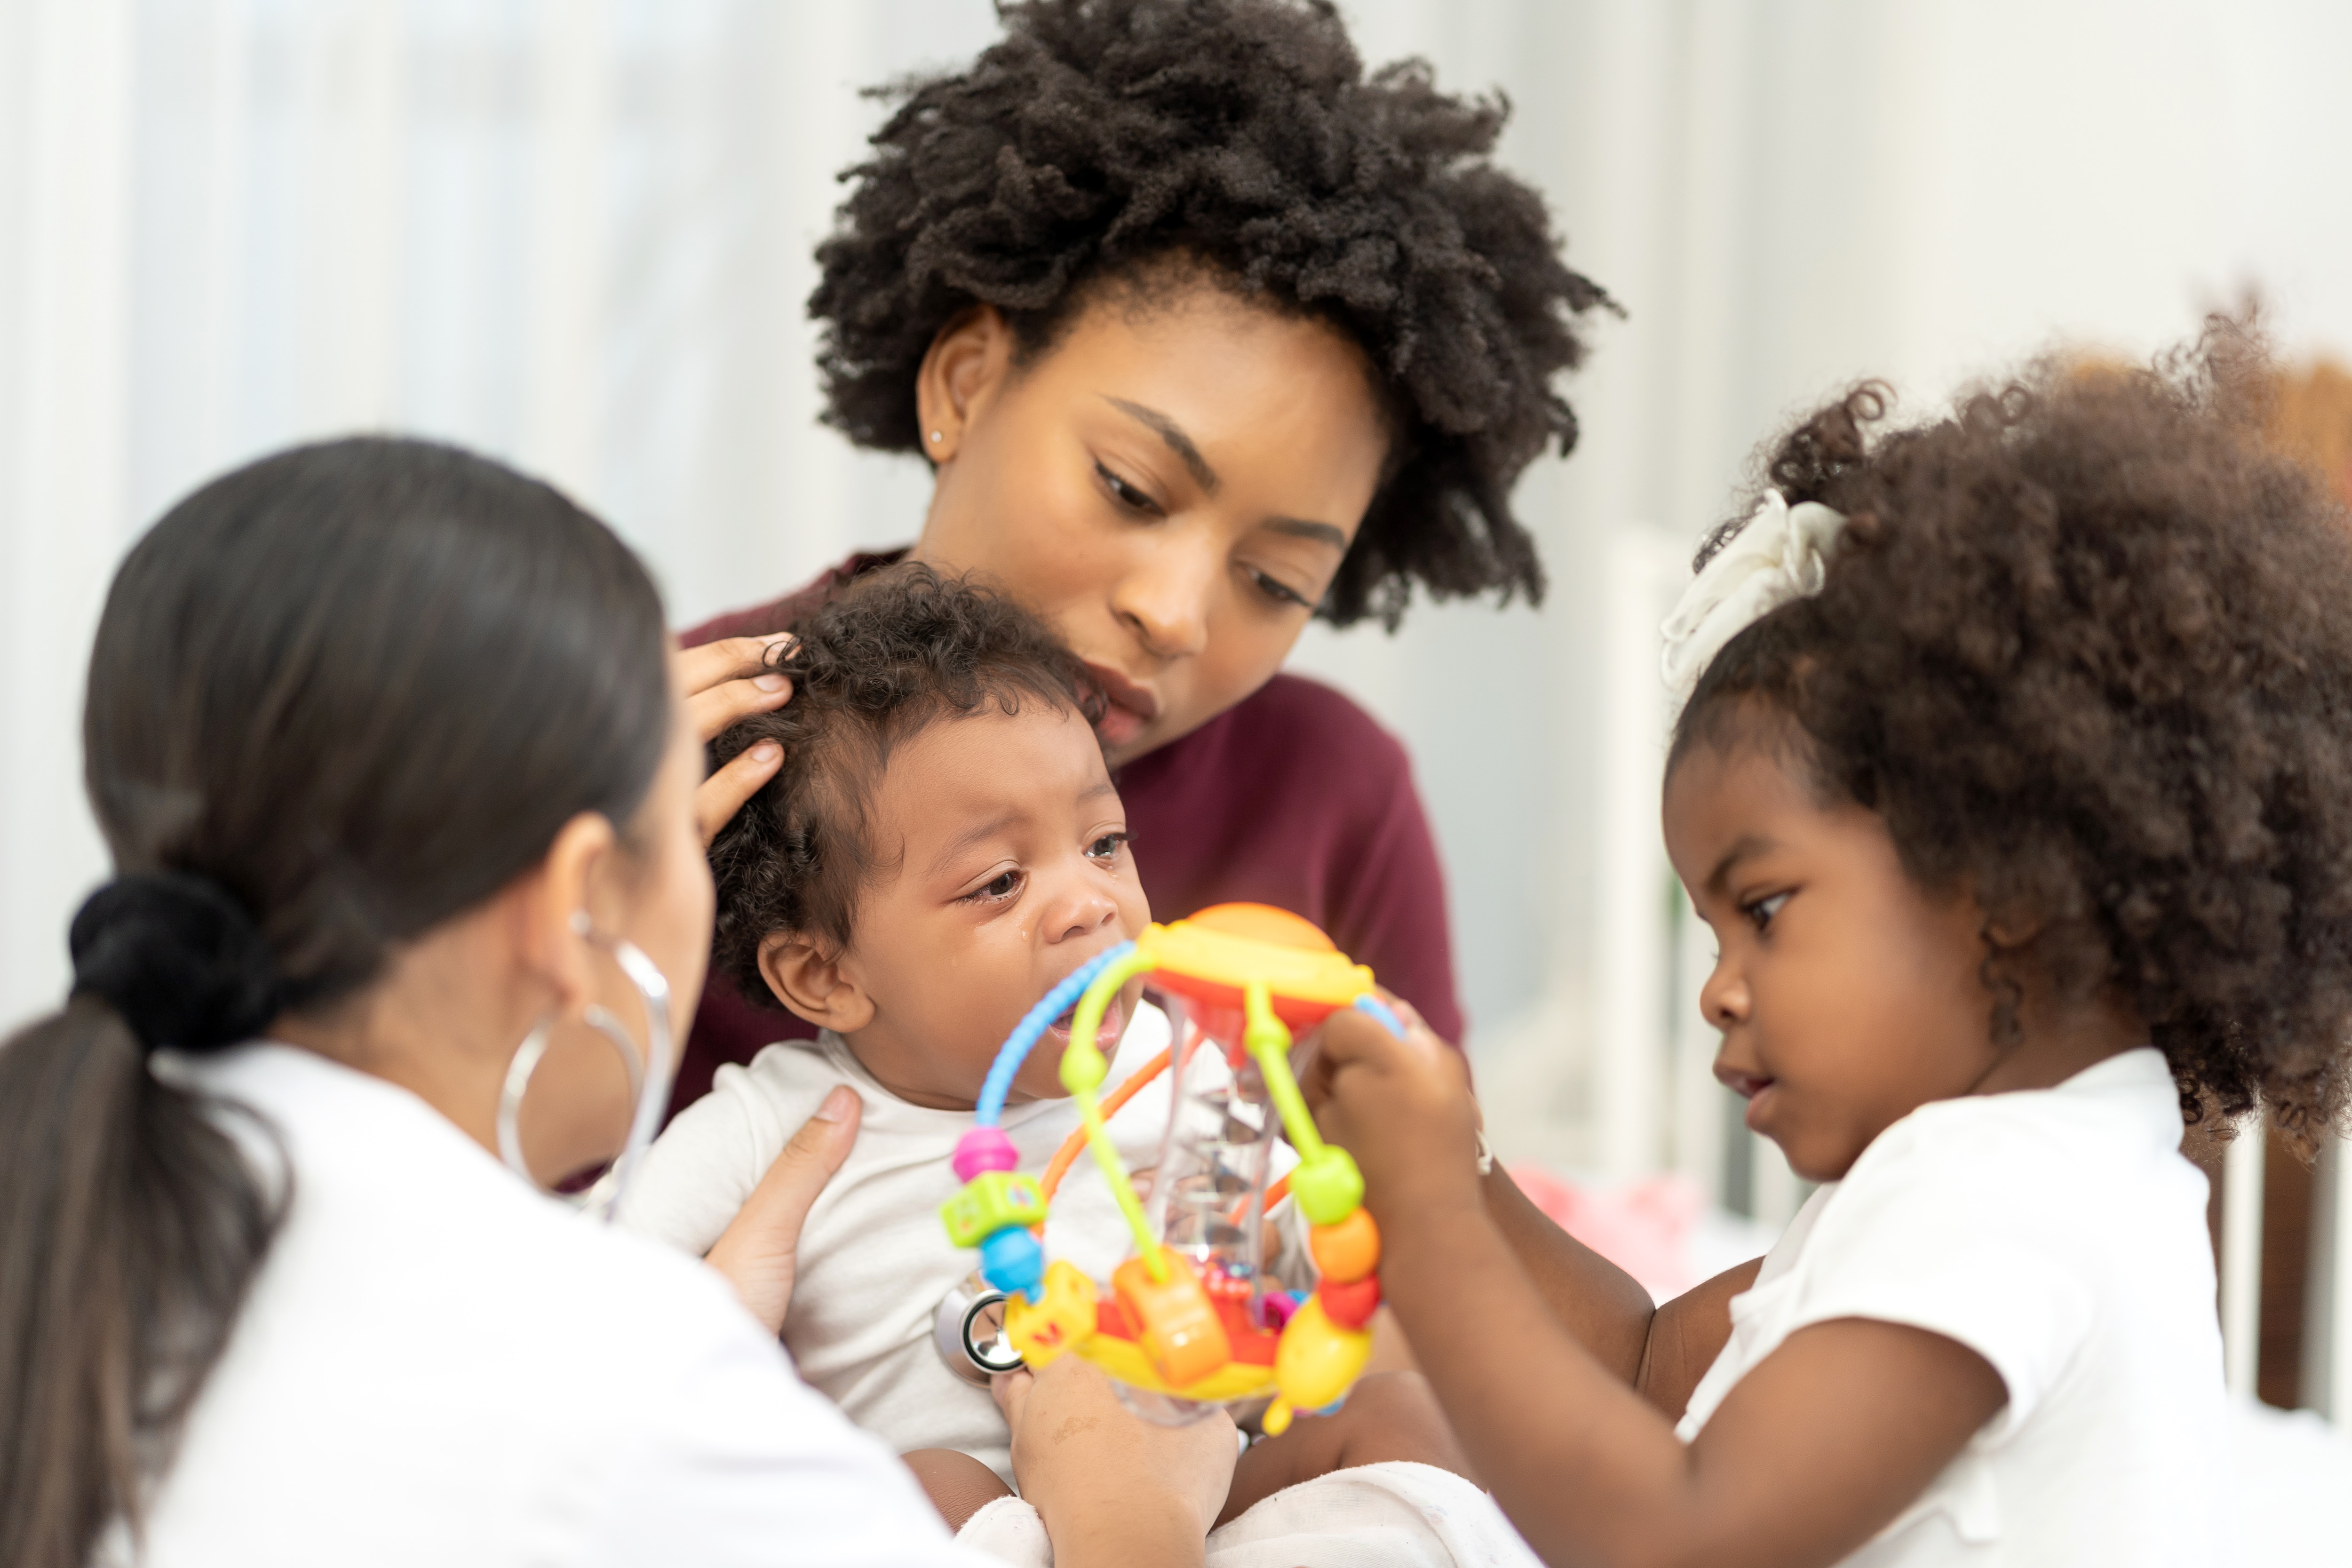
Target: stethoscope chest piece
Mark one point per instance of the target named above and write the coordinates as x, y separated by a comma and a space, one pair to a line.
968, 1331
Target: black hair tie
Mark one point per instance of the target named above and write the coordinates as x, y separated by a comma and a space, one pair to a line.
178, 957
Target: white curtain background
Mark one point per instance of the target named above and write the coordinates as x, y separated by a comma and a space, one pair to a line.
576, 234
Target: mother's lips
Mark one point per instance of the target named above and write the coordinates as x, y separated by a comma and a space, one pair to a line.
1119, 689
1129, 707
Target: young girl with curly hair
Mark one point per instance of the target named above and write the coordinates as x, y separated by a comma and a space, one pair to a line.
2011, 783
1205, 332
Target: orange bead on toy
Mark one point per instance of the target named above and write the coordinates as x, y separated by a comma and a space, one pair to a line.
1176, 1322
1348, 1250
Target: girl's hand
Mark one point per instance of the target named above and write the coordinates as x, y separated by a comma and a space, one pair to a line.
760, 1252
1112, 1488
725, 682
1403, 1108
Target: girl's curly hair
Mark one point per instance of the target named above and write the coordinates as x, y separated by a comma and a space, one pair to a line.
2086, 646
902, 650
1101, 136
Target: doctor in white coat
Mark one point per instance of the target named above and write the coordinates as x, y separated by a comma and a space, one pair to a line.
411, 902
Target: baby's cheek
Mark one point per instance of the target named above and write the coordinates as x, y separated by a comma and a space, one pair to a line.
1041, 1075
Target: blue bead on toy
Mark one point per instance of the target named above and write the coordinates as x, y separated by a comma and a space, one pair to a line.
1012, 1262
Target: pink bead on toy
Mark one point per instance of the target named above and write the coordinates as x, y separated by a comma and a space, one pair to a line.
985, 1149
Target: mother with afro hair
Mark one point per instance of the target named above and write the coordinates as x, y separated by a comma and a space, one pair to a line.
1204, 333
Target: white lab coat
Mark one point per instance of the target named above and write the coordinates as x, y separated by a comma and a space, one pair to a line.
437, 1365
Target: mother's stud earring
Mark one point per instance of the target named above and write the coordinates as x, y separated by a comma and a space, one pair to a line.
935, 437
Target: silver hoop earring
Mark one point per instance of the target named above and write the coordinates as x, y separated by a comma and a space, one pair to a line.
650, 1072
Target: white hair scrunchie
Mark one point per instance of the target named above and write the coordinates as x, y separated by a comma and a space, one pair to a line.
1781, 556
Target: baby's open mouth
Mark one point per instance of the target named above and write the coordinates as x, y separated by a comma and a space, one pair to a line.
1114, 1019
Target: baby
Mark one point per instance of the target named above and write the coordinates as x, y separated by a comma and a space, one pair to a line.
943, 844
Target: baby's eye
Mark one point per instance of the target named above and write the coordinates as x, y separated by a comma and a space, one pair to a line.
1107, 847
1762, 910
1003, 885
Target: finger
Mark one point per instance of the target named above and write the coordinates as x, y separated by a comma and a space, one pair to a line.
729, 658
1371, 1007
720, 708
1350, 1038
780, 1203
1366, 1038
718, 798
1011, 1391
1404, 1010
759, 1251
725, 682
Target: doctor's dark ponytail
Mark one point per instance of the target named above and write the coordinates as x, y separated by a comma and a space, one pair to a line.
337, 697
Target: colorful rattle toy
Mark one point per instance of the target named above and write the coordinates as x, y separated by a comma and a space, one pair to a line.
1191, 1320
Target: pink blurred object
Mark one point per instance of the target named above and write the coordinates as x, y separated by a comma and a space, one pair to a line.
1642, 1226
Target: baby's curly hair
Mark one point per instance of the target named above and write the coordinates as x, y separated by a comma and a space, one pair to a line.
2086, 646
1103, 137
903, 650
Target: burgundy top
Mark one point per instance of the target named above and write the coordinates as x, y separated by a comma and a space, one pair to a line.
1293, 798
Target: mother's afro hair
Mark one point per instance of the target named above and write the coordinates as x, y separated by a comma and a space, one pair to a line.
1102, 135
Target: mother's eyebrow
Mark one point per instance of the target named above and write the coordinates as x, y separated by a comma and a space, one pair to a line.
1167, 430
1299, 528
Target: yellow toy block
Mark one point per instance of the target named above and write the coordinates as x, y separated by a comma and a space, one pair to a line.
1062, 1319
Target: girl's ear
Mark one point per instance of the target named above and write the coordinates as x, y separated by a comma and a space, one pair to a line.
966, 363
813, 984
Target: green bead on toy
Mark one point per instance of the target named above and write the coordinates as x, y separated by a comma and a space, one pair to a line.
1327, 1185
1084, 1069
989, 1203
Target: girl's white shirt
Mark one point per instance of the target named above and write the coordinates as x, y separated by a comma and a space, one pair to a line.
437, 1365
873, 1259
2059, 1234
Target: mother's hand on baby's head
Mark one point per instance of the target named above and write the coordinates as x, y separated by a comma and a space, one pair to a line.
759, 1251
724, 683
1402, 1107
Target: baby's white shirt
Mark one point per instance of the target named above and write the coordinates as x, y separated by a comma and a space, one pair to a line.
875, 1258
2059, 1234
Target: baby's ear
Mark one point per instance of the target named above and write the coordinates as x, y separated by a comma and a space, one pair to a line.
813, 983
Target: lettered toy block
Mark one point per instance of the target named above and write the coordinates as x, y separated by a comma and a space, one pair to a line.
1061, 1319
990, 1202
1175, 1321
